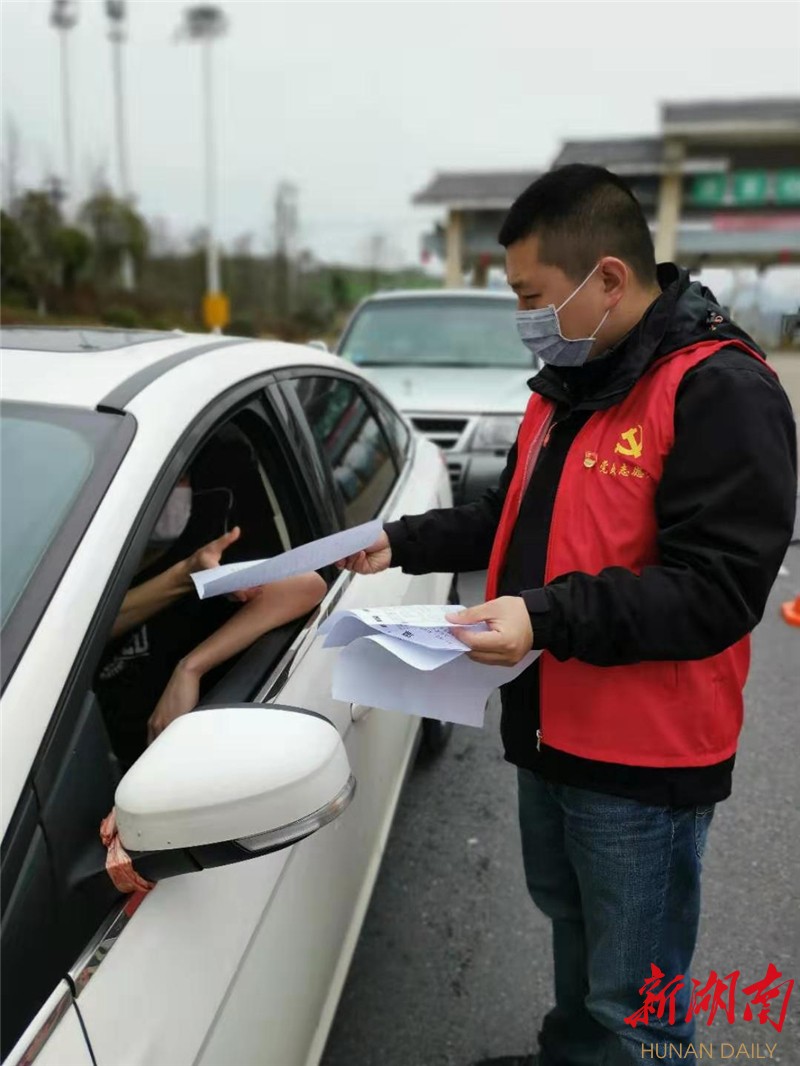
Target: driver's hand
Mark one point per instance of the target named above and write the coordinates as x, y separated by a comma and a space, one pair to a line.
207, 557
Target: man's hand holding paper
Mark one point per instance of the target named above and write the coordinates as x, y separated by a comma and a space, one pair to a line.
405, 658
510, 635
371, 560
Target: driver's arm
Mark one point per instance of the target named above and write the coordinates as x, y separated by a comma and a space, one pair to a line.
151, 597
266, 608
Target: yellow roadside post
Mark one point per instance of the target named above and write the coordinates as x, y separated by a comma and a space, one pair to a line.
216, 311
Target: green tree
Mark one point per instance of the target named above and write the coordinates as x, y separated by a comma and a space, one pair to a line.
116, 229
38, 216
13, 250
340, 291
75, 253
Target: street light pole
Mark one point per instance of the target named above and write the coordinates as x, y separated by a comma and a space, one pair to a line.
115, 9
204, 23
63, 17
212, 256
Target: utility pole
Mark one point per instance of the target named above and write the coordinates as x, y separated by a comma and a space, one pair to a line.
115, 9
63, 16
11, 158
285, 245
205, 23
376, 251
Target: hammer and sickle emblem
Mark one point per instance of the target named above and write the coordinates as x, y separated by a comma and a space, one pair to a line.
633, 437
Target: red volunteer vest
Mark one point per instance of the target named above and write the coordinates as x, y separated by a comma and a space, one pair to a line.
686, 713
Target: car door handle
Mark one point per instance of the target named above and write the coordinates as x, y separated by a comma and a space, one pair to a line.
358, 711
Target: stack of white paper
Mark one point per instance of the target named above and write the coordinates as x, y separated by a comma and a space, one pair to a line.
407, 659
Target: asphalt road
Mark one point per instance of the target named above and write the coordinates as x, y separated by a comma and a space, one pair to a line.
454, 961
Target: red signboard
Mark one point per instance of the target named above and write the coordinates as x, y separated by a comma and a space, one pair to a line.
788, 220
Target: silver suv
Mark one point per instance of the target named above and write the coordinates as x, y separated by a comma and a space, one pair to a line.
452, 360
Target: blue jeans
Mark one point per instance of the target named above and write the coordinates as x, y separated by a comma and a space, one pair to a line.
620, 882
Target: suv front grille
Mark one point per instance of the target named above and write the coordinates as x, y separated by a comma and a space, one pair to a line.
443, 431
456, 471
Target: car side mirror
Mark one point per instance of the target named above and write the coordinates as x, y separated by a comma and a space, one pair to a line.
320, 345
226, 784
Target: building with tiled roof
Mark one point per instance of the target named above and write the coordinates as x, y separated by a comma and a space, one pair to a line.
720, 186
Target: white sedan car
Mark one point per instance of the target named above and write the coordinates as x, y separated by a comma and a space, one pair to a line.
224, 961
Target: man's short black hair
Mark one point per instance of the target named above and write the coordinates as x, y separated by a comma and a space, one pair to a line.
581, 213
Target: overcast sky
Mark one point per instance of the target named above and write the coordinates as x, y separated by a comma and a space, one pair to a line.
360, 103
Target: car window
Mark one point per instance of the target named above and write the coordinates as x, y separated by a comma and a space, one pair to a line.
433, 331
395, 428
228, 505
46, 461
352, 442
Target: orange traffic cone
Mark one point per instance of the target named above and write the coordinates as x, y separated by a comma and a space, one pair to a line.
791, 611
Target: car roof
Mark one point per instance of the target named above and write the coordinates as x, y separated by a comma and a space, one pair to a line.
106, 368
75, 338
441, 294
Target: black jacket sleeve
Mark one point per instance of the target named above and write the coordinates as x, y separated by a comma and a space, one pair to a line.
455, 539
725, 511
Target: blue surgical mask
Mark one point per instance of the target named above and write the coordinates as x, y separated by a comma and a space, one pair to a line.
540, 332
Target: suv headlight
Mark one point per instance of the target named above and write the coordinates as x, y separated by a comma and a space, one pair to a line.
495, 432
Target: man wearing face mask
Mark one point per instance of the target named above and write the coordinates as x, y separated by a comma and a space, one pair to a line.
639, 524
